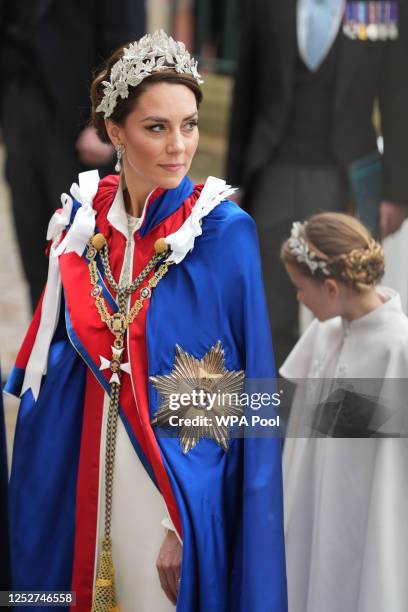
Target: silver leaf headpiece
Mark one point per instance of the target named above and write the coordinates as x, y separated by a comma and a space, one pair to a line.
155, 52
301, 250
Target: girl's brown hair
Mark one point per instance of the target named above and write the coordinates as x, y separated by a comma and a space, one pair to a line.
345, 245
125, 106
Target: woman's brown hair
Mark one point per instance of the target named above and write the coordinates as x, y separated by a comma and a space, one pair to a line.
125, 106
345, 245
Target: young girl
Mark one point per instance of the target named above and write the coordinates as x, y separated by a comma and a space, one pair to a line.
346, 498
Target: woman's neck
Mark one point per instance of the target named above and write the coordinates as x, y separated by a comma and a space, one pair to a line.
135, 195
358, 305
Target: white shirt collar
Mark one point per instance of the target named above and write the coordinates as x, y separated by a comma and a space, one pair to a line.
117, 215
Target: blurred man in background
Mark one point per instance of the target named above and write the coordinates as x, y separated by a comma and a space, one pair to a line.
302, 136
48, 51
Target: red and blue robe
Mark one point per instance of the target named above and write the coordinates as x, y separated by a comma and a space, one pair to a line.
226, 506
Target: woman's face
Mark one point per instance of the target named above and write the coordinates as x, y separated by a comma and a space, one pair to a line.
160, 136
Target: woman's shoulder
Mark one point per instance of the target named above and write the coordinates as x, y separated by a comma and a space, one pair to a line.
232, 233
221, 219
227, 210
230, 213
107, 189
101, 192
104, 194
228, 223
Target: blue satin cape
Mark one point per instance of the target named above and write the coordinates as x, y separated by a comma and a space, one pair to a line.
230, 502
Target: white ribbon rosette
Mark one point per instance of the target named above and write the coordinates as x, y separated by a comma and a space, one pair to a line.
75, 240
60, 219
83, 226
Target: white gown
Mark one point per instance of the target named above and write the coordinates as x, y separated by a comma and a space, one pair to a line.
139, 511
346, 499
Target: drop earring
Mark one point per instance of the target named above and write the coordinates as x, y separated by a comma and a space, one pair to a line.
120, 149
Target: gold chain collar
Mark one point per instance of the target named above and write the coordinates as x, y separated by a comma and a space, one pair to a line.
118, 323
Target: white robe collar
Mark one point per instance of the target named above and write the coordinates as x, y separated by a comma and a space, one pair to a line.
117, 215
392, 304
298, 363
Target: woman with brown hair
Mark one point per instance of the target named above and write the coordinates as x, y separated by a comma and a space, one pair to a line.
162, 297
346, 498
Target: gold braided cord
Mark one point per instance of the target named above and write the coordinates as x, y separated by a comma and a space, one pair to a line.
118, 323
104, 599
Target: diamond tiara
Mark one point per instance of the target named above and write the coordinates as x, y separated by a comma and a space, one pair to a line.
301, 250
155, 52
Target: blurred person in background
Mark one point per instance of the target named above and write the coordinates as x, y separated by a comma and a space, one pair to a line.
48, 51
302, 136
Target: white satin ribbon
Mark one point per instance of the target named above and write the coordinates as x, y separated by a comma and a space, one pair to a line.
37, 363
83, 225
181, 242
75, 240
60, 218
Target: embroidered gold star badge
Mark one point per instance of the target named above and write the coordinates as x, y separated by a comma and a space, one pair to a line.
200, 395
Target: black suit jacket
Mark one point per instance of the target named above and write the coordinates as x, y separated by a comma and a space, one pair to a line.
367, 71
70, 39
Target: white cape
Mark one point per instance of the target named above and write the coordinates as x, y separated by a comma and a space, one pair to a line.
346, 499
396, 252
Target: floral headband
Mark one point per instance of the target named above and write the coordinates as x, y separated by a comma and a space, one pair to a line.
155, 52
300, 249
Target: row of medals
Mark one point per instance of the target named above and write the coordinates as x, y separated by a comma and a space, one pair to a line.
371, 20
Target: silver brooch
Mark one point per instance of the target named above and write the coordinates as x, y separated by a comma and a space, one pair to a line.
301, 250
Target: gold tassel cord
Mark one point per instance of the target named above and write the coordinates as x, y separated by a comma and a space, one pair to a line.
105, 595
104, 599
